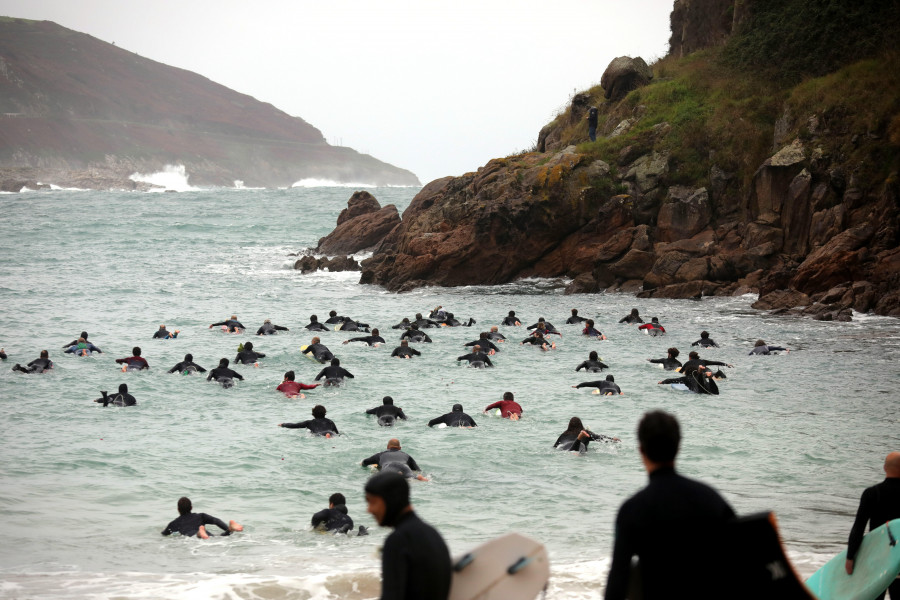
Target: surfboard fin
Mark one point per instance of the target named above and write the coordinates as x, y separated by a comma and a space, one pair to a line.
518, 565
463, 562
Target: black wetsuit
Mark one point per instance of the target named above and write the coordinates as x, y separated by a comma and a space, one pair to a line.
223, 375
878, 505
231, 324
334, 374
706, 343
510, 321
569, 440
696, 382
336, 320
694, 363
415, 562
536, 341
401, 325
485, 344
575, 320
669, 526
351, 325
117, 399
317, 327
387, 413
371, 340
186, 365
163, 334
394, 455
320, 426
605, 387
319, 352
668, 363
766, 350
548, 326
405, 351
477, 357
248, 357
496, 336
415, 335
592, 366
457, 418
270, 329
38, 365
3, 355
333, 519
190, 523
631, 319
426, 323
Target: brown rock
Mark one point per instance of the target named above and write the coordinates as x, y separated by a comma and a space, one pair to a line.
633, 265
685, 213
339, 263
307, 264
664, 269
694, 269
583, 284
781, 299
836, 262
361, 232
360, 203
623, 75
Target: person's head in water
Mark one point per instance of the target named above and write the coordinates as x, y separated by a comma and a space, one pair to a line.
289, 376
123, 388
393, 444
508, 396
184, 506
335, 362
387, 401
589, 323
575, 425
405, 320
223, 362
336, 499
759, 343
673, 352
593, 355
387, 497
694, 355
234, 317
267, 321
659, 437
512, 313
162, 326
483, 335
704, 335
574, 312
610, 378
84, 334
332, 313
313, 318
404, 343
136, 351
457, 408
476, 349
45, 354
315, 340
82, 341
654, 320
414, 326
634, 312
248, 345
318, 411
494, 329
188, 357
375, 331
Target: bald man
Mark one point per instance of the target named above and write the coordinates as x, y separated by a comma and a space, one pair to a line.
878, 505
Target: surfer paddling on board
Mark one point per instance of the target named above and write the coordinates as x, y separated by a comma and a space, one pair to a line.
576, 437
404, 350
335, 373
291, 388
653, 327
318, 425
123, 398
509, 408
191, 524
394, 459
694, 362
592, 364
314, 324
670, 362
223, 375
669, 525
187, 366
699, 381
607, 387
164, 334
878, 505
387, 413
135, 362
454, 418
231, 325
631, 318
370, 340
415, 561
335, 518
318, 350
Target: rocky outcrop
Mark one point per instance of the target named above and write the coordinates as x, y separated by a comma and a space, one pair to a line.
698, 24
624, 74
360, 226
310, 264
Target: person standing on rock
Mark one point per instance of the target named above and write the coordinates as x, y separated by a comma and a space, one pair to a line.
592, 115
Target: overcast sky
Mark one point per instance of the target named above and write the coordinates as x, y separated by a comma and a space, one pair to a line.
438, 89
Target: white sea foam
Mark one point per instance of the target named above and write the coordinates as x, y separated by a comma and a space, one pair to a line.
172, 177
312, 182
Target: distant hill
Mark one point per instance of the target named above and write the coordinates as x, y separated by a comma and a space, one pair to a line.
75, 108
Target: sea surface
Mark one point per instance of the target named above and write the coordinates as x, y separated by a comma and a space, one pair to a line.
86, 490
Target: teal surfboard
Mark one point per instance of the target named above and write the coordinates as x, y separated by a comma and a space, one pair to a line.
877, 564
679, 387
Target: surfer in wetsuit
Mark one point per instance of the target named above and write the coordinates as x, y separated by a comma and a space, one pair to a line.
334, 319
163, 334
415, 561
591, 331
370, 340
268, 328
653, 327
135, 362
318, 350
334, 374
318, 425
394, 459
694, 362
575, 319
414, 334
2, 354
760, 348
314, 324
511, 319
335, 517
509, 408
452, 321
351, 325
83, 348
454, 418
38, 365
547, 328
424, 323
232, 325
878, 505
248, 356
576, 437
291, 388
223, 375
670, 362
75, 342
705, 341
123, 398
404, 350
632, 318
477, 359
592, 364
606, 388
537, 339
667, 525
404, 324
191, 524
187, 366
484, 342
494, 334
387, 413
699, 381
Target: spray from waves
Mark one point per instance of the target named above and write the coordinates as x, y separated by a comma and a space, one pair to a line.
172, 177
312, 182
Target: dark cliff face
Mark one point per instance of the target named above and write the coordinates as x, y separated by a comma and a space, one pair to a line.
73, 102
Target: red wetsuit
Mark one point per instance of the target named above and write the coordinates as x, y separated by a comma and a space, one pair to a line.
507, 408
292, 388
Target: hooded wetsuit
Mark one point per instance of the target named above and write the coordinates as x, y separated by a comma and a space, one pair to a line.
121, 398
415, 562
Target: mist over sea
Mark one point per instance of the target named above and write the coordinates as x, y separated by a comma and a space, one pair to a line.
85, 491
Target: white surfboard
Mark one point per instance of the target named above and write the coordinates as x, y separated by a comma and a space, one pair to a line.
511, 567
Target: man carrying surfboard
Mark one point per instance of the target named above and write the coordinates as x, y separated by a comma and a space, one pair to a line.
878, 505
415, 561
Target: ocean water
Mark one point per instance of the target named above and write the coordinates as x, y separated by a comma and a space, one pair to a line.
85, 491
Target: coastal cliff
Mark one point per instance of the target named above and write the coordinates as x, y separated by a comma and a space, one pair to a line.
736, 166
79, 112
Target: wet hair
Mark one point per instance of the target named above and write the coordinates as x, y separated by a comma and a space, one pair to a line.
289, 375
759, 343
248, 345
81, 340
335, 362
575, 424
414, 326
704, 334
391, 487
694, 355
418, 316
654, 320
315, 340
508, 396
375, 331
332, 313
318, 411
659, 436
136, 351
84, 334
223, 362
673, 352
483, 335
634, 312
313, 318
610, 378
589, 323
574, 311
512, 313
593, 355
387, 400
337, 499
184, 506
